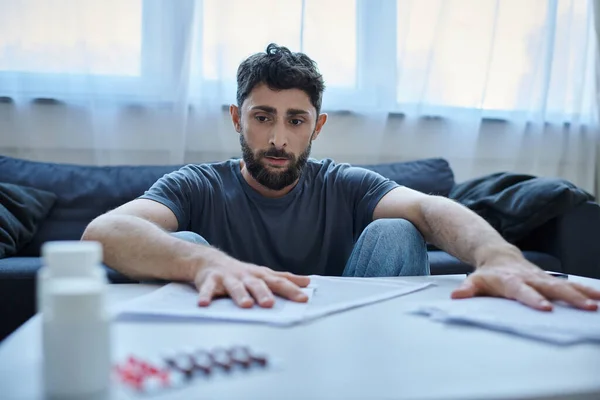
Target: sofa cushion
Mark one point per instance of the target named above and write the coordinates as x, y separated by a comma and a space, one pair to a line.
431, 176
83, 193
22, 209
516, 204
442, 263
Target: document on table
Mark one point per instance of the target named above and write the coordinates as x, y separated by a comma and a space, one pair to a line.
335, 294
326, 296
564, 325
180, 300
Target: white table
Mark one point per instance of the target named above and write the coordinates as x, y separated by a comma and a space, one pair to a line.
373, 352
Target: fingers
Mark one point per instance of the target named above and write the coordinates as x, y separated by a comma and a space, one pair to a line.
260, 291
248, 284
211, 287
465, 290
556, 289
509, 286
285, 284
298, 280
207, 289
237, 291
533, 290
525, 294
586, 290
285, 288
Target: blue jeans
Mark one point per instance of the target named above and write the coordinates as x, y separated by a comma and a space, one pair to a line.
387, 247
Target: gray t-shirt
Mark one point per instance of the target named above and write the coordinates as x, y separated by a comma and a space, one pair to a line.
310, 230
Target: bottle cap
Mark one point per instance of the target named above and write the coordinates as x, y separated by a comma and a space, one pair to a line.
71, 257
76, 298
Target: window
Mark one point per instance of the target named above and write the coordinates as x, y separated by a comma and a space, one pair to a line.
392, 55
491, 55
94, 38
66, 48
231, 30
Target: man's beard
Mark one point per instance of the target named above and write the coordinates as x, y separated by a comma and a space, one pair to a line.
274, 180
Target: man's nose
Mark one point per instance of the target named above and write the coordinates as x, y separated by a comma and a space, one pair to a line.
278, 136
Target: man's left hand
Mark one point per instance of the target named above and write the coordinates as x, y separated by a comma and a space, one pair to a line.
522, 281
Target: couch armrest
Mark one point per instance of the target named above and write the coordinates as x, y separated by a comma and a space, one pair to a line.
577, 240
574, 238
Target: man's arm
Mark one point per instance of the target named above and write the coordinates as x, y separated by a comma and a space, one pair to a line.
501, 269
448, 225
137, 242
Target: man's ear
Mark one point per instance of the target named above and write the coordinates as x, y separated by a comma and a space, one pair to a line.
320, 122
234, 111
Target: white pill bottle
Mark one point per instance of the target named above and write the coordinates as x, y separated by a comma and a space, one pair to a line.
75, 321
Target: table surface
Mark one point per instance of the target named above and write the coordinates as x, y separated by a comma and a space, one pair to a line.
372, 352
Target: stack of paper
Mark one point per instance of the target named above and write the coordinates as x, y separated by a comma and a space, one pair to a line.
563, 325
326, 296
179, 300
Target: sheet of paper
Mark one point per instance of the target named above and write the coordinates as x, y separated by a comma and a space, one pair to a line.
336, 294
564, 325
180, 301
326, 296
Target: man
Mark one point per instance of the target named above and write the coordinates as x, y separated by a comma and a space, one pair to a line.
255, 227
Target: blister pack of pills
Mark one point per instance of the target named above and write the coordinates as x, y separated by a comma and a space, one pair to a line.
179, 369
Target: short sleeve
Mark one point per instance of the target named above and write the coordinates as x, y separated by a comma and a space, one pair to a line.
364, 189
177, 190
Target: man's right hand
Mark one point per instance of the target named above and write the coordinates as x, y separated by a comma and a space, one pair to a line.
246, 283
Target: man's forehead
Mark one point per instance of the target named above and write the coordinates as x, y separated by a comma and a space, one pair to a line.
279, 101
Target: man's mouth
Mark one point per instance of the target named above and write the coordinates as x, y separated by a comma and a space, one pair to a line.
277, 161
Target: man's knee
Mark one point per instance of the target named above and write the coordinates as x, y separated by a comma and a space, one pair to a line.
389, 247
399, 228
403, 242
191, 237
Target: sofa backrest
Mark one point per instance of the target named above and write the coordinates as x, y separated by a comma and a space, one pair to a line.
85, 192
430, 175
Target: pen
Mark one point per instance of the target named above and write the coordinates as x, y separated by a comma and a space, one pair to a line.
558, 275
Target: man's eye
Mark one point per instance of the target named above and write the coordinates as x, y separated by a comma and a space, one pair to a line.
261, 118
296, 121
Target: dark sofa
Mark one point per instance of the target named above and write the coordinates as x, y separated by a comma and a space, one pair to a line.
564, 244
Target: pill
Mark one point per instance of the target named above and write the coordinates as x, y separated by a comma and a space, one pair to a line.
202, 361
240, 355
221, 358
176, 378
148, 368
151, 384
128, 372
259, 359
167, 374
183, 363
129, 378
133, 362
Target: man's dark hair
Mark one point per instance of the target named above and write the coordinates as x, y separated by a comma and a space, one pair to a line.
280, 69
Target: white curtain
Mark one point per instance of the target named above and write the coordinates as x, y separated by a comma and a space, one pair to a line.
488, 84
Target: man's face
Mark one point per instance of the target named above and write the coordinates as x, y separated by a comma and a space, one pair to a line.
276, 131
264, 168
